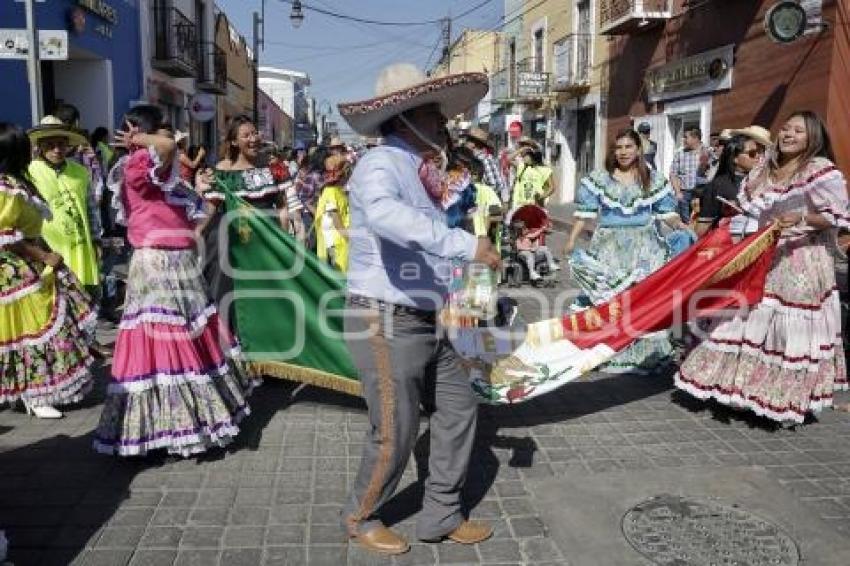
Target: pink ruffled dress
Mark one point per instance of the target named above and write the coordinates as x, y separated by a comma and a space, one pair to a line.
176, 381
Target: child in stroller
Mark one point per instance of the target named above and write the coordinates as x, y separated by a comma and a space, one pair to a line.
524, 250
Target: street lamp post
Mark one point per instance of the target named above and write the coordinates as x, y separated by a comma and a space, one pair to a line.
33, 68
259, 42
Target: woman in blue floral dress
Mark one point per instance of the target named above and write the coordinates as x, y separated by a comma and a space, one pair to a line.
626, 199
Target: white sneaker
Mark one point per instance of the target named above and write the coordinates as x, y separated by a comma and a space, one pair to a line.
554, 267
42, 411
535, 276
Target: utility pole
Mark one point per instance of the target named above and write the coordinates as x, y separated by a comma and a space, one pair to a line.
259, 43
33, 68
447, 44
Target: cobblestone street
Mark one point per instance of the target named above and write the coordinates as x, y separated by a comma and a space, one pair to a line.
274, 496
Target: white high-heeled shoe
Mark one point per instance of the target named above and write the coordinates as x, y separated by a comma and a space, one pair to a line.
42, 411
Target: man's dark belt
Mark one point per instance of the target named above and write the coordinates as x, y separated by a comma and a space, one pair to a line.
383, 306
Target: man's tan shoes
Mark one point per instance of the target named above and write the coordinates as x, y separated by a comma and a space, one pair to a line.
383, 540
468, 532
471, 532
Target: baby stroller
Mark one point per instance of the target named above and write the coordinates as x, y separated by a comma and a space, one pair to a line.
515, 271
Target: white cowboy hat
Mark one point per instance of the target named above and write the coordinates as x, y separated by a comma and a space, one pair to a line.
758, 134
336, 141
52, 127
179, 136
403, 86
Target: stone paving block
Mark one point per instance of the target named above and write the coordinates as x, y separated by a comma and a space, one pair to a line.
262, 496
327, 555
249, 516
179, 499
153, 558
162, 537
202, 537
256, 480
209, 516
359, 556
244, 537
536, 551
285, 556
290, 464
289, 513
197, 557
241, 557
286, 535
185, 481
128, 517
518, 507
451, 553
330, 496
106, 557
499, 551
326, 514
418, 555
226, 479
326, 534
170, 516
526, 527
511, 489
217, 496
120, 537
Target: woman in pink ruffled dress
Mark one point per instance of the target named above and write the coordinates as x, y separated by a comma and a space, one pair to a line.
173, 386
784, 358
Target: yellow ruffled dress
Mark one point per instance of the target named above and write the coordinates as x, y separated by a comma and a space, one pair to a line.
44, 314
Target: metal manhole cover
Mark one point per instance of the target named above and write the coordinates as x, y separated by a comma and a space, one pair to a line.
675, 531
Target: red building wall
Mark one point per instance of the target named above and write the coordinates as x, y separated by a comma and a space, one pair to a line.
769, 80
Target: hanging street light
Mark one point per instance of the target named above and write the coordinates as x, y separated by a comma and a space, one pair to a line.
297, 14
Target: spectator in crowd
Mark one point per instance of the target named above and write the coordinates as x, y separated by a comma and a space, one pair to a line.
685, 170
478, 141
650, 148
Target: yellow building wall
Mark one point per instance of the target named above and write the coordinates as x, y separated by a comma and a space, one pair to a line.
474, 51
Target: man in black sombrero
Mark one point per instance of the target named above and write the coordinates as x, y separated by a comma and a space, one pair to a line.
401, 253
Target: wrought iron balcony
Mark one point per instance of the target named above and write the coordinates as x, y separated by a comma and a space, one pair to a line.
175, 49
572, 62
620, 17
212, 71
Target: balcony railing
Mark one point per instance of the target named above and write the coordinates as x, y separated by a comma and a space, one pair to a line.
212, 71
572, 62
620, 17
174, 41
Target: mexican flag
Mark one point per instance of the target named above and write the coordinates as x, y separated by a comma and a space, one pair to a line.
289, 309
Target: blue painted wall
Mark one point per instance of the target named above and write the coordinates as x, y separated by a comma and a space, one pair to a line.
123, 48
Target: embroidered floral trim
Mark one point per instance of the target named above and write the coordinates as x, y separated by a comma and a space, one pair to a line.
735, 397
395, 98
11, 186
185, 442
28, 287
63, 389
11, 236
164, 378
176, 190
599, 183
257, 183
154, 315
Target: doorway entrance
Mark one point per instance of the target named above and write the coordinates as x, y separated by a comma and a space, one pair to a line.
585, 142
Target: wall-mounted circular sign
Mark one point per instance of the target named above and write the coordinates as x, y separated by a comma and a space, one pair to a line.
202, 107
785, 21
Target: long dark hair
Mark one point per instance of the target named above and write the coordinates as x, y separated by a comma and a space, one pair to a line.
818, 145
733, 148
316, 161
230, 151
15, 151
146, 117
644, 175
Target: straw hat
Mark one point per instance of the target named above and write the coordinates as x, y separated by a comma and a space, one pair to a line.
403, 86
52, 127
336, 141
758, 134
478, 135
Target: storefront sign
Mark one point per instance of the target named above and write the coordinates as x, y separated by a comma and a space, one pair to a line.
785, 21
202, 107
100, 8
530, 84
53, 44
707, 72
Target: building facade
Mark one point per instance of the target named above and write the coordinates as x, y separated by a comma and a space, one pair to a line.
289, 90
551, 86
275, 125
476, 51
712, 64
238, 94
103, 73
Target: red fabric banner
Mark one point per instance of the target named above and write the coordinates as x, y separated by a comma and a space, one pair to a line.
712, 275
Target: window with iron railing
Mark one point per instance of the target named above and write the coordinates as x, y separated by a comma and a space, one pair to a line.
613, 13
572, 61
175, 44
212, 70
